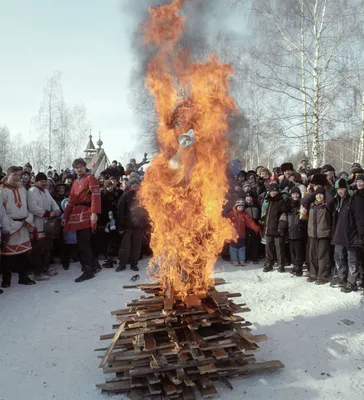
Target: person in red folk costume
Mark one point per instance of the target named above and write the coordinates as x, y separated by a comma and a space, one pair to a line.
84, 203
16, 245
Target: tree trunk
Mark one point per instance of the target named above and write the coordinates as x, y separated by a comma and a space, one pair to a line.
361, 140
303, 84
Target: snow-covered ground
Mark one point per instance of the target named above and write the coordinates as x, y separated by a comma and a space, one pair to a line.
48, 333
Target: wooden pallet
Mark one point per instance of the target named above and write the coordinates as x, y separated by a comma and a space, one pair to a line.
166, 347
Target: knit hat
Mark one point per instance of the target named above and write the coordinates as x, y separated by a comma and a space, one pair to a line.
134, 182
295, 189
240, 203
25, 173
360, 177
341, 184
320, 190
273, 187
357, 170
40, 177
265, 170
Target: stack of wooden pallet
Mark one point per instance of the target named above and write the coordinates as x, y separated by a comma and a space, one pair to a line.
167, 348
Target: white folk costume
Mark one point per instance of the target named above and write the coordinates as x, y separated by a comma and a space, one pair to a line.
40, 204
14, 200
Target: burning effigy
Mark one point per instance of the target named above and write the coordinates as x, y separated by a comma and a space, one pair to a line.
184, 334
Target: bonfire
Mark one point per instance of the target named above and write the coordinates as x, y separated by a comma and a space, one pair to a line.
185, 185
184, 335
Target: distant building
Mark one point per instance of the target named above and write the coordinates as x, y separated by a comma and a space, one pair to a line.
96, 158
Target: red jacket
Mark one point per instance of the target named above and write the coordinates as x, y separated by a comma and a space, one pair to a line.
241, 221
84, 199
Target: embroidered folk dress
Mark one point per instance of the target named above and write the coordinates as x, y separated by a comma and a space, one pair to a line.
14, 200
84, 199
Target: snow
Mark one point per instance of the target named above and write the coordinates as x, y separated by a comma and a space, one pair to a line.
49, 332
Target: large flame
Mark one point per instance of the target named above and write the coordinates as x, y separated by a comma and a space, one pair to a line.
184, 188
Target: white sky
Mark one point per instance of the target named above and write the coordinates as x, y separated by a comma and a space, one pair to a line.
89, 41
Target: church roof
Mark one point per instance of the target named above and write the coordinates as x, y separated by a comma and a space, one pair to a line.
90, 145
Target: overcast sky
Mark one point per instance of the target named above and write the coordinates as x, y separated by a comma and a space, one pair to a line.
89, 41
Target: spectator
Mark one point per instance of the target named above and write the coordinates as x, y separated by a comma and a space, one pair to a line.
15, 251
42, 206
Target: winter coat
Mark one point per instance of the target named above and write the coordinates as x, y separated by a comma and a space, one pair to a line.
344, 226
241, 221
356, 222
112, 172
40, 204
297, 229
253, 211
319, 217
276, 207
130, 214
109, 202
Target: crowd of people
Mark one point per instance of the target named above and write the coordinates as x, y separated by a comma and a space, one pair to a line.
73, 216
300, 217
308, 218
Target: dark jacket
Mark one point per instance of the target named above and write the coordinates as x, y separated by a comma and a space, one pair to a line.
297, 229
319, 217
130, 214
276, 207
112, 172
355, 228
109, 202
253, 211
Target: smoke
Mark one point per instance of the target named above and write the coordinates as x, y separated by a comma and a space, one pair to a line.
211, 27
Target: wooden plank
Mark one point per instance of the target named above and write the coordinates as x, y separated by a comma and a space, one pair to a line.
155, 388
168, 387
220, 354
188, 393
169, 298
244, 333
149, 342
208, 392
207, 369
112, 345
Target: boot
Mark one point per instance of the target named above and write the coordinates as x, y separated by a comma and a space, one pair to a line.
338, 282
25, 280
51, 272
281, 269
66, 267
134, 266
1, 291
42, 277
321, 281
109, 263
85, 276
234, 263
311, 280
97, 267
349, 287
121, 268
268, 268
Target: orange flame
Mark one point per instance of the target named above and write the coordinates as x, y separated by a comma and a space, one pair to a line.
184, 188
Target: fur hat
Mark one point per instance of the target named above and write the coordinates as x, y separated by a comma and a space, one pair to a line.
25, 173
360, 177
357, 170
328, 168
107, 183
263, 169
239, 203
356, 165
286, 167
277, 170
343, 173
273, 187
40, 177
319, 179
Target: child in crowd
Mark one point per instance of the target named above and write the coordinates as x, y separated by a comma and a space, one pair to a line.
241, 220
69, 249
297, 232
319, 233
252, 237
